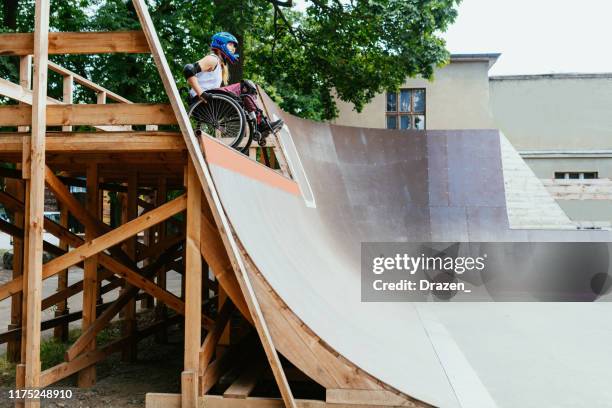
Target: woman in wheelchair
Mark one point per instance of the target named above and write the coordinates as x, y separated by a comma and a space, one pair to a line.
206, 78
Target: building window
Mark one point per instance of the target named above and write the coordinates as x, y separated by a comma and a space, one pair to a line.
576, 175
406, 109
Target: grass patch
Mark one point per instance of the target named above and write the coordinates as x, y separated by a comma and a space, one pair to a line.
7, 371
52, 351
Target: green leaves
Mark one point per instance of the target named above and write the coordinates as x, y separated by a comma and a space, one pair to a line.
358, 47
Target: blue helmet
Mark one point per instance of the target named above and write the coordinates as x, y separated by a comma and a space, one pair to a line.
219, 42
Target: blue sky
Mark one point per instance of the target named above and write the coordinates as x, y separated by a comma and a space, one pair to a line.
535, 36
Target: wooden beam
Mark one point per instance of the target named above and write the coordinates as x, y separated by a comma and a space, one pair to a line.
161, 312
13, 352
77, 43
115, 236
233, 357
68, 95
129, 211
64, 370
372, 398
61, 332
79, 345
214, 253
86, 83
163, 400
87, 376
107, 114
36, 201
51, 323
75, 288
136, 279
213, 336
20, 93
160, 246
64, 196
247, 380
109, 142
193, 290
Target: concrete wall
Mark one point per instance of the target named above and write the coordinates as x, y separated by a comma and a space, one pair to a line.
562, 122
457, 98
554, 111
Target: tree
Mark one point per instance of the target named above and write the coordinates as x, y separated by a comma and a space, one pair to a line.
359, 48
354, 49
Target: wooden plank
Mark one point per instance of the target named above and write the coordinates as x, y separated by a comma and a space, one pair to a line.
24, 96
232, 358
163, 400
80, 114
77, 43
276, 145
79, 345
61, 332
36, 201
109, 142
189, 389
19, 93
160, 246
86, 83
67, 97
136, 279
193, 290
214, 253
68, 291
161, 313
246, 381
115, 236
129, 212
25, 81
16, 187
213, 336
367, 397
64, 370
64, 196
87, 376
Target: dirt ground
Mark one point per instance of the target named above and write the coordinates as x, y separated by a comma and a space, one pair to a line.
120, 384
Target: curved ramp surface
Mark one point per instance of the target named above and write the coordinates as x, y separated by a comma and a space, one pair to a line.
359, 185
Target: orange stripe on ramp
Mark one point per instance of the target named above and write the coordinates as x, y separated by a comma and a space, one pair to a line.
221, 155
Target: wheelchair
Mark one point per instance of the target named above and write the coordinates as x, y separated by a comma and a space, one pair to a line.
225, 118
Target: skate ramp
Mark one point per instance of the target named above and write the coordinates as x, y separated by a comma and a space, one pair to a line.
358, 185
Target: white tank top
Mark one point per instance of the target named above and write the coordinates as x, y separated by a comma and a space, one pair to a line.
209, 80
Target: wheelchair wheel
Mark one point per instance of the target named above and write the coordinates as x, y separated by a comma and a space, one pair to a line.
222, 118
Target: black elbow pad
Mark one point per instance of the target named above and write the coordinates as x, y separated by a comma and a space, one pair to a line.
190, 70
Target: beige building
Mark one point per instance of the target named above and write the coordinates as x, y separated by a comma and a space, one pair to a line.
561, 124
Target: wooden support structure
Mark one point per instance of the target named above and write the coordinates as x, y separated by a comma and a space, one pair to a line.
87, 376
13, 350
35, 199
130, 212
111, 142
61, 332
161, 311
99, 114
76, 43
193, 291
142, 169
